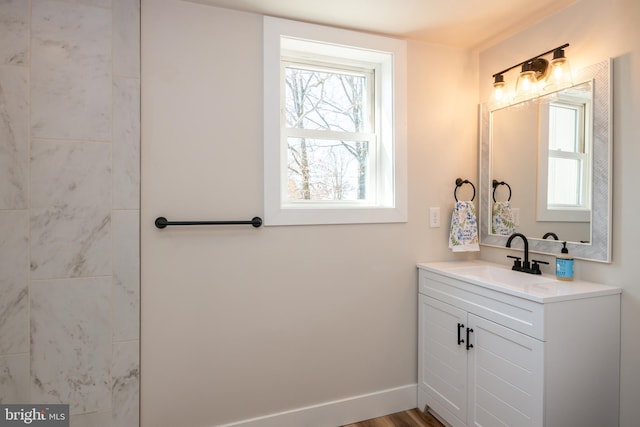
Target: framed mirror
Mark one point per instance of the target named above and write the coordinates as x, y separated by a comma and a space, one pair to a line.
550, 158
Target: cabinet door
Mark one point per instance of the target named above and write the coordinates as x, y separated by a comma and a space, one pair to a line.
505, 376
442, 361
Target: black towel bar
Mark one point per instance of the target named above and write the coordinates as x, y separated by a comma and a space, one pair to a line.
162, 222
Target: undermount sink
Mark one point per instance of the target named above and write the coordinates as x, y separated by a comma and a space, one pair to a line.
489, 273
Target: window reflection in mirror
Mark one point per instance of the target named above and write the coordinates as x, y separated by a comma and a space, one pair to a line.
564, 157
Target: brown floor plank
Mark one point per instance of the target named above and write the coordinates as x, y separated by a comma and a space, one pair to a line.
410, 418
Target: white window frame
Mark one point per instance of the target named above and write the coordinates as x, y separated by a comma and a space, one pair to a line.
545, 212
388, 56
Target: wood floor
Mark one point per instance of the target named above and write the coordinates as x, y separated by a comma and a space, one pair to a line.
411, 418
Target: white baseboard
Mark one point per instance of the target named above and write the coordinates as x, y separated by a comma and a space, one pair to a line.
340, 412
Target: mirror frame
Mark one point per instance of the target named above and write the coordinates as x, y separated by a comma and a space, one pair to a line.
600, 247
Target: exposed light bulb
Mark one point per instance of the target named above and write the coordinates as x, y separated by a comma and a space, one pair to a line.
527, 84
557, 71
560, 75
527, 80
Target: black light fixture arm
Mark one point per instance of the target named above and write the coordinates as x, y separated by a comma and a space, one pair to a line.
530, 59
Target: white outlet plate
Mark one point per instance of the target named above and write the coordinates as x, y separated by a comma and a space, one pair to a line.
434, 217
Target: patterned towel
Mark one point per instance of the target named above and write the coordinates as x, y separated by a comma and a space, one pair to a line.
464, 228
502, 222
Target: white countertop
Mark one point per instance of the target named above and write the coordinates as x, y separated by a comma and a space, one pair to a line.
541, 288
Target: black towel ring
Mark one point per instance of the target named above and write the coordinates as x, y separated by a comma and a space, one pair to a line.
496, 184
459, 182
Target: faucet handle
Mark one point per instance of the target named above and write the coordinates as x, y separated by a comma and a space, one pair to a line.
517, 264
535, 268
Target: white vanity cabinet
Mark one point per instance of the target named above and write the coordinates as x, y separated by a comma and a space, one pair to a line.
504, 348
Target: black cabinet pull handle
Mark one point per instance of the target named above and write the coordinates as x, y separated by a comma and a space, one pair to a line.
469, 345
460, 340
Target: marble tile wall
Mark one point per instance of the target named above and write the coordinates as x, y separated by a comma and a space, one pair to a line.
69, 207
70, 71
14, 32
71, 344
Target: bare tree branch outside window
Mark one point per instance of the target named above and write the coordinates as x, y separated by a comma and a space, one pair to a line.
328, 168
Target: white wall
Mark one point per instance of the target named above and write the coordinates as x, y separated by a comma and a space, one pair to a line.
596, 30
240, 322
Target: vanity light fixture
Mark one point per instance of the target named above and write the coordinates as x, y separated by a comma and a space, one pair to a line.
537, 75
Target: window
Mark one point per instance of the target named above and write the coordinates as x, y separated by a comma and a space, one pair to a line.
329, 133
567, 157
334, 108
565, 194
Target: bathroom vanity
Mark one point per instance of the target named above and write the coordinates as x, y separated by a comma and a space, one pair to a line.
504, 348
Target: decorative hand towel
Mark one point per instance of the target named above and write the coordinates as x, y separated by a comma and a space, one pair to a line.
464, 228
502, 222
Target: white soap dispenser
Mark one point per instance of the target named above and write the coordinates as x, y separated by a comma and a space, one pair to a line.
564, 264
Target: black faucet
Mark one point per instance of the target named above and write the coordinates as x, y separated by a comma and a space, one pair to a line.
550, 234
524, 266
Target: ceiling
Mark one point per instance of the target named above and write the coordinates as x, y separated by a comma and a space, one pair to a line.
470, 24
